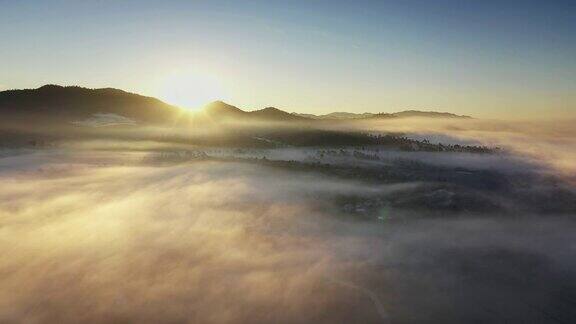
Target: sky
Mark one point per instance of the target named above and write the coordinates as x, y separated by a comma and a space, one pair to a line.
494, 59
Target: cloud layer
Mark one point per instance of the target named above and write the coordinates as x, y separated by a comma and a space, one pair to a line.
101, 237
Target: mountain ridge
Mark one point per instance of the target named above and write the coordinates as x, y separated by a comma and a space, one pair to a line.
367, 115
74, 102
56, 103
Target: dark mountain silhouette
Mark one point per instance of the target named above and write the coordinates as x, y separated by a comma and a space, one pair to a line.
271, 113
69, 104
107, 106
222, 108
221, 111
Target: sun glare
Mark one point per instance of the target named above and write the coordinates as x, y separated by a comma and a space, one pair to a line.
191, 89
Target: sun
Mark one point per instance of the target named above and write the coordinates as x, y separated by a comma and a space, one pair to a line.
191, 89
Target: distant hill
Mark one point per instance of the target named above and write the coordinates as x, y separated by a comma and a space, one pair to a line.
336, 115
347, 115
418, 113
271, 113
79, 106
53, 103
401, 114
221, 111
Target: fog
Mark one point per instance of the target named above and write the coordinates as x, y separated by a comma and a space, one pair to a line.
549, 141
125, 228
107, 237
207, 242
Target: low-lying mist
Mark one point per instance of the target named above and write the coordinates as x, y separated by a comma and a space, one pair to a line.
104, 237
549, 141
126, 228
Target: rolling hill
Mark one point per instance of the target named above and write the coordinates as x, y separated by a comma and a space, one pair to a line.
221, 111
107, 106
53, 103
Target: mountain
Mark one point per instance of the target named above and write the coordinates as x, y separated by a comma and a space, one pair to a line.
221, 111
271, 113
420, 114
401, 114
72, 104
309, 116
79, 106
336, 115
347, 115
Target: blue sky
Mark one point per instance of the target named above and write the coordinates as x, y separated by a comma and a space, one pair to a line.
484, 58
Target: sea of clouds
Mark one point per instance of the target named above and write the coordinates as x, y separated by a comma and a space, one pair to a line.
104, 236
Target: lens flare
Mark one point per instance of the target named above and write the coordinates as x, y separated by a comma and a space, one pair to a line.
191, 89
